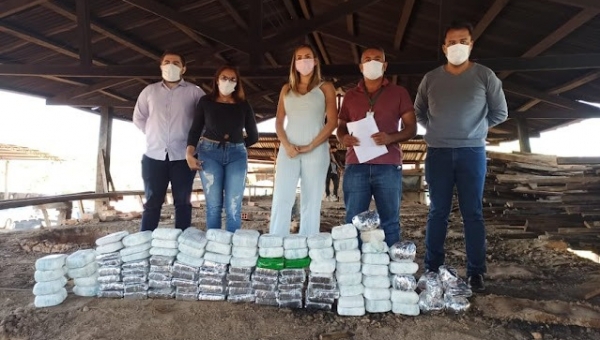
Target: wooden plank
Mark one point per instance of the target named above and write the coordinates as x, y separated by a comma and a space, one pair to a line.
526, 179
593, 230
592, 225
577, 160
524, 158
114, 195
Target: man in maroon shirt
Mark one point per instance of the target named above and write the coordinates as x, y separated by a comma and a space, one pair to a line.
380, 177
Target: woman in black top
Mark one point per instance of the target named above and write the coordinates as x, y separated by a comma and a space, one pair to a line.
220, 119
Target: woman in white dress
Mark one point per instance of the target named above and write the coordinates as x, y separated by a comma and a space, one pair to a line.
308, 104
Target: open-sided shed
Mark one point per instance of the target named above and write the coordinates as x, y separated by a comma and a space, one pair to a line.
98, 55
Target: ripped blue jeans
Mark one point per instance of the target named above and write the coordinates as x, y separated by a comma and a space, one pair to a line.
223, 176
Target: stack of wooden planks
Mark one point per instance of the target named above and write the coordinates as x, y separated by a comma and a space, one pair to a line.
532, 195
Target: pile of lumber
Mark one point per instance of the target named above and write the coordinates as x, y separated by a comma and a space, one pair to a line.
534, 195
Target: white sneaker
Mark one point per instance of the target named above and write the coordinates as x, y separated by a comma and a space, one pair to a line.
333, 198
326, 199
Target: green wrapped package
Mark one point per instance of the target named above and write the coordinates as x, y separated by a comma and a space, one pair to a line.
298, 263
270, 263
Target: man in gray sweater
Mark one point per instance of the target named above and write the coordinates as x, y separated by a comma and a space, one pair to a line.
457, 103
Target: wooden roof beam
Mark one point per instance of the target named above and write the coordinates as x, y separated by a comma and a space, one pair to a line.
91, 102
208, 31
589, 4
48, 43
403, 23
84, 30
489, 17
10, 7
589, 77
541, 63
255, 32
106, 30
299, 28
559, 34
81, 91
550, 99
579, 114
350, 27
315, 35
235, 14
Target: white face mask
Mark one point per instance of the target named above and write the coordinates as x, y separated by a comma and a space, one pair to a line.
373, 69
458, 54
226, 87
305, 66
170, 72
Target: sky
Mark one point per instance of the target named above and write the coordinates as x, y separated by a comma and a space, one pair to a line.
72, 135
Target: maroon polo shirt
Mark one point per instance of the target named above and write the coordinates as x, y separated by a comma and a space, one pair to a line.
393, 102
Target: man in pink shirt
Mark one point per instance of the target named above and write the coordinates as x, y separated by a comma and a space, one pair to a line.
381, 177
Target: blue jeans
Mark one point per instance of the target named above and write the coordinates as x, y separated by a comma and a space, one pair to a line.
383, 182
223, 176
157, 175
465, 168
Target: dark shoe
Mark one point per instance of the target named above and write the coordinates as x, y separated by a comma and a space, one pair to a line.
476, 283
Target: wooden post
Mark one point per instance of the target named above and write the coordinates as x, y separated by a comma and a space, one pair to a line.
103, 164
523, 132
6, 162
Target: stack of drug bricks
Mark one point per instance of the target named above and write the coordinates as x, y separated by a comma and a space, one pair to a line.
530, 195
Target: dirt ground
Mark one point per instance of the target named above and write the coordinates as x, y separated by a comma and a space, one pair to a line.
535, 290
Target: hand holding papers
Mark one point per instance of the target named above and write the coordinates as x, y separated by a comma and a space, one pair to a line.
363, 130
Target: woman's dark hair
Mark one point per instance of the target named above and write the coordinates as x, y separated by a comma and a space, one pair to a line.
238, 94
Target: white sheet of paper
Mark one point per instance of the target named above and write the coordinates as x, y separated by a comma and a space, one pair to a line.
363, 129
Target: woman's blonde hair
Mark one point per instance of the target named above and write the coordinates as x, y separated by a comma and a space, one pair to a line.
294, 80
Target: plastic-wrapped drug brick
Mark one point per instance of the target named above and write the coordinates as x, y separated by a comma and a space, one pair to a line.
212, 282
185, 280
109, 261
265, 285
291, 288
347, 272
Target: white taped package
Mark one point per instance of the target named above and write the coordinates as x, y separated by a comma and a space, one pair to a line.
193, 237
270, 252
244, 252
270, 241
212, 282
136, 267
160, 276
295, 242
320, 240
137, 238
376, 235
342, 232
347, 244
111, 238
348, 272
219, 235
245, 238
170, 234
83, 268
110, 284
375, 270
